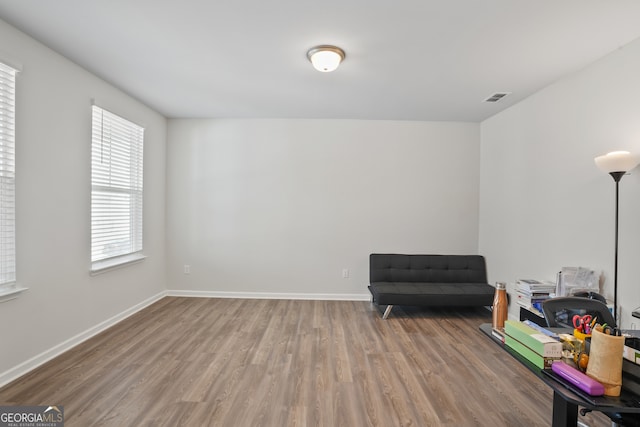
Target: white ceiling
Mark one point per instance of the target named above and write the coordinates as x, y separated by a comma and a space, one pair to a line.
406, 59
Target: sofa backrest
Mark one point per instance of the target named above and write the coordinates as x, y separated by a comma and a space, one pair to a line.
427, 268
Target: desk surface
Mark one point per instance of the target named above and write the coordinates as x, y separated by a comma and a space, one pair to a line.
627, 402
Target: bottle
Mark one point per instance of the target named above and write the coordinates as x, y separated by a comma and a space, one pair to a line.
500, 306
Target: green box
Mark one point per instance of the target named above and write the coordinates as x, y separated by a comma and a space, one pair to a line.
535, 340
533, 357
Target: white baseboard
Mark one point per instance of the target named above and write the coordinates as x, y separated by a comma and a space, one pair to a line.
268, 295
34, 362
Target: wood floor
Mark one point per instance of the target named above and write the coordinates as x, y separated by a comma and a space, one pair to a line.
226, 362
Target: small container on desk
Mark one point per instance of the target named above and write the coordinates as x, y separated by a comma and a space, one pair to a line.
605, 361
500, 306
580, 335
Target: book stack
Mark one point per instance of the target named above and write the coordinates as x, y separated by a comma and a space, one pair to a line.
536, 347
531, 293
498, 334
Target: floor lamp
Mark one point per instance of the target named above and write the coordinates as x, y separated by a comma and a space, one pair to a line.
616, 164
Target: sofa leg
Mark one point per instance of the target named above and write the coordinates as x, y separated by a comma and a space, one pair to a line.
386, 312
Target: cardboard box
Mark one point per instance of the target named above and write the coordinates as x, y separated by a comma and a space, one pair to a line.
533, 357
537, 342
632, 350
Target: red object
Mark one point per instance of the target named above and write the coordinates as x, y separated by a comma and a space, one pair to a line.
582, 323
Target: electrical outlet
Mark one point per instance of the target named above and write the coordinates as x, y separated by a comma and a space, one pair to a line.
187, 269
345, 273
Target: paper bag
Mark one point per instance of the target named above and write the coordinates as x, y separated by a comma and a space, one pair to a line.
605, 361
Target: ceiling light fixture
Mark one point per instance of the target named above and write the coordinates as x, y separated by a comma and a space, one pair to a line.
325, 58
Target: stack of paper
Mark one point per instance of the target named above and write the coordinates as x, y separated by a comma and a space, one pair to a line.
531, 293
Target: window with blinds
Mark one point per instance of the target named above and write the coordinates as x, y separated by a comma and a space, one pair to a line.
7, 175
116, 188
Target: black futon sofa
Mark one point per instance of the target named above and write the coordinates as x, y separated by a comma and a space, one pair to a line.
429, 280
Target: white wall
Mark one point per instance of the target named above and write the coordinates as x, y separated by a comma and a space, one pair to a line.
53, 140
282, 206
543, 202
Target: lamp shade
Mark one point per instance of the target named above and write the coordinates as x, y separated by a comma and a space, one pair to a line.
325, 58
616, 161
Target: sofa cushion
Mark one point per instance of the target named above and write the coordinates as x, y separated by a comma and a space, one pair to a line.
432, 294
427, 268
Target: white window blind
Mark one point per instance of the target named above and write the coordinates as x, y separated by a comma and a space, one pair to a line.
116, 186
7, 175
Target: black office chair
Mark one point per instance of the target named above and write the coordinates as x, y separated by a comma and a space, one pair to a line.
559, 312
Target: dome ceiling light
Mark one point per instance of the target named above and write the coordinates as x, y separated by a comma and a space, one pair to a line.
325, 58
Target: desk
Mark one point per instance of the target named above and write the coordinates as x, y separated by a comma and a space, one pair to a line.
566, 401
535, 316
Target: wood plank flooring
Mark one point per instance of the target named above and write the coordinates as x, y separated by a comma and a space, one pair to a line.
226, 362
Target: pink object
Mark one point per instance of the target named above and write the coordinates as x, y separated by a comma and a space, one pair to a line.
577, 378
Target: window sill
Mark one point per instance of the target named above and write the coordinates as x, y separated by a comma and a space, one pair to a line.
105, 265
11, 292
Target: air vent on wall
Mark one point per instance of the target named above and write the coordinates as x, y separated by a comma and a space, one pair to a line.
496, 97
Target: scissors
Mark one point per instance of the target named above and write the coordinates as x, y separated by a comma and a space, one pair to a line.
582, 323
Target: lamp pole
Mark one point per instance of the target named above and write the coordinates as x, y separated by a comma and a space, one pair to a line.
616, 164
617, 176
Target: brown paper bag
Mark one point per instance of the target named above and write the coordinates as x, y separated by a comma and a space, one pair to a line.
605, 361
